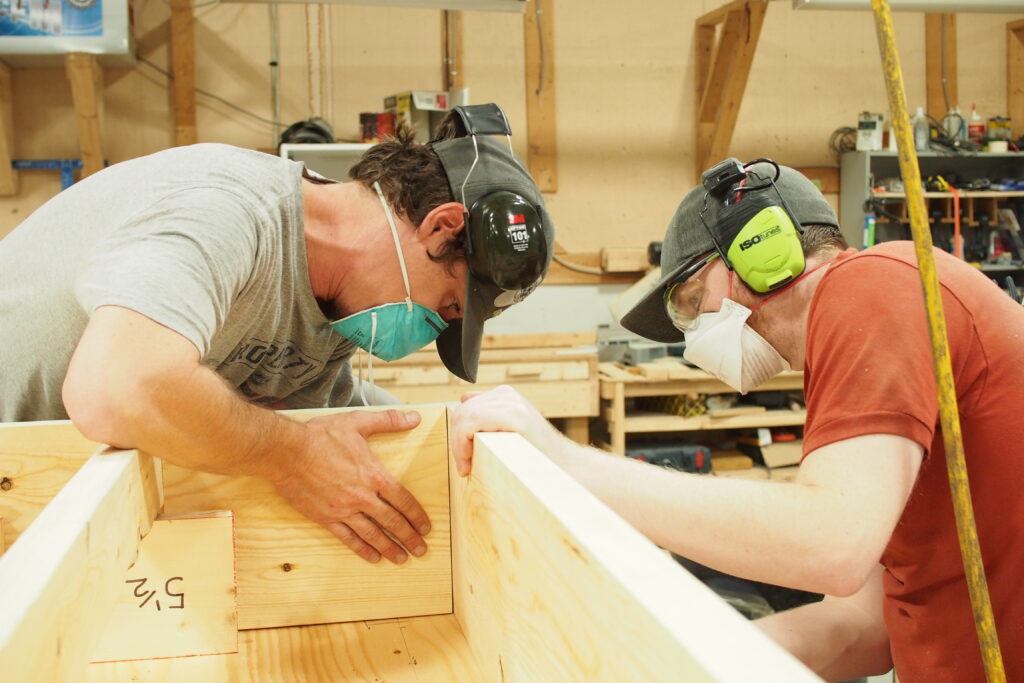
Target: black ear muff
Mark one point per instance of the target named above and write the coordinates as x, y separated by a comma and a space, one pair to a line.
505, 241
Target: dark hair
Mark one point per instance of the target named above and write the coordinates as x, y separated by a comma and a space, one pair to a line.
412, 179
820, 238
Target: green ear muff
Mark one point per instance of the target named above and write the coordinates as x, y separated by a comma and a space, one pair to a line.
754, 230
505, 243
766, 252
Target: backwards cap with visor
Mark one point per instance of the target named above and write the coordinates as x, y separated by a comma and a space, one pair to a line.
509, 236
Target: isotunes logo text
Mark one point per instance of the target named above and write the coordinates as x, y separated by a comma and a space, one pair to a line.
757, 239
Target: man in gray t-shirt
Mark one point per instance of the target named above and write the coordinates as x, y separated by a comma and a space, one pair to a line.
166, 301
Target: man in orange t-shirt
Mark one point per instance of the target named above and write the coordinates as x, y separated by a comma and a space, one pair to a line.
868, 521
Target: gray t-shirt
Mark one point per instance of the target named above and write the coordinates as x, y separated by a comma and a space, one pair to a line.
206, 240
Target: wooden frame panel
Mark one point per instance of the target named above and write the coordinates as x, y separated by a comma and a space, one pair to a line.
59, 580
551, 585
317, 586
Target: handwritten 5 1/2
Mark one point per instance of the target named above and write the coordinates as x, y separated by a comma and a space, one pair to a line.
141, 592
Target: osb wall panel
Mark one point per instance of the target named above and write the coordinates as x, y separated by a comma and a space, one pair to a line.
624, 78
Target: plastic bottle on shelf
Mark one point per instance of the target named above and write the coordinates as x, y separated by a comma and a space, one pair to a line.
955, 125
976, 127
922, 132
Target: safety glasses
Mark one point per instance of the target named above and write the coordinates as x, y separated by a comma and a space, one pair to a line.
685, 294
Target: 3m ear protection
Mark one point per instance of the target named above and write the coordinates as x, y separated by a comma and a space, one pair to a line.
504, 231
755, 232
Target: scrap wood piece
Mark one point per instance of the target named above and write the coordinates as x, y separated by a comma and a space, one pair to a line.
939, 52
55, 581
183, 67
178, 598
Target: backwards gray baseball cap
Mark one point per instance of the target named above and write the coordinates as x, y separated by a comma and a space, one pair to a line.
686, 240
509, 234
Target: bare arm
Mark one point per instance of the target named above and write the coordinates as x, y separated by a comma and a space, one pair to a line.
823, 533
135, 383
838, 638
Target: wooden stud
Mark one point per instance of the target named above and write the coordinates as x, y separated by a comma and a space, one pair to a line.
935, 98
56, 581
86, 79
173, 602
451, 50
718, 107
551, 585
542, 145
1015, 76
8, 176
183, 68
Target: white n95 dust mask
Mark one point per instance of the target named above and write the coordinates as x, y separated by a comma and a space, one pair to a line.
722, 344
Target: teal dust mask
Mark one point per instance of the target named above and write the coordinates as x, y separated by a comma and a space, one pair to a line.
392, 331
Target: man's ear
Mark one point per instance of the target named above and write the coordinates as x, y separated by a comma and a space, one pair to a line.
448, 220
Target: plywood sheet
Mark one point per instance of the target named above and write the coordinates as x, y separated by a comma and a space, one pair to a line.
415, 650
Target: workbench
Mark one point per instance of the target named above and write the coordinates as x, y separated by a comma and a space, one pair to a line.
668, 377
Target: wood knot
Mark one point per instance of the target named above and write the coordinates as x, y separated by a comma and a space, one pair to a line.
286, 566
6, 484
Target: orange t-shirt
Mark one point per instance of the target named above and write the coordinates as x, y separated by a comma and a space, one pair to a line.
869, 371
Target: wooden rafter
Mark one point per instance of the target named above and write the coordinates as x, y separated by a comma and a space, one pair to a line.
8, 176
723, 66
86, 79
935, 60
183, 68
542, 145
451, 50
1015, 75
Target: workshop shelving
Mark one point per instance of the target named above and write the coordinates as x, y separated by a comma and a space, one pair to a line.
670, 377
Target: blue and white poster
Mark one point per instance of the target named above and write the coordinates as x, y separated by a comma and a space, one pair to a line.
68, 18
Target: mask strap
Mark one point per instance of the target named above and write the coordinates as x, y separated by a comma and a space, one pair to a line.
369, 364
776, 293
398, 245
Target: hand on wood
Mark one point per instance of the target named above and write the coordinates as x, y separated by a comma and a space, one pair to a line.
502, 409
340, 484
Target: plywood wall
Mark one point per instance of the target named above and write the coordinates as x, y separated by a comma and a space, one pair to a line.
624, 79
